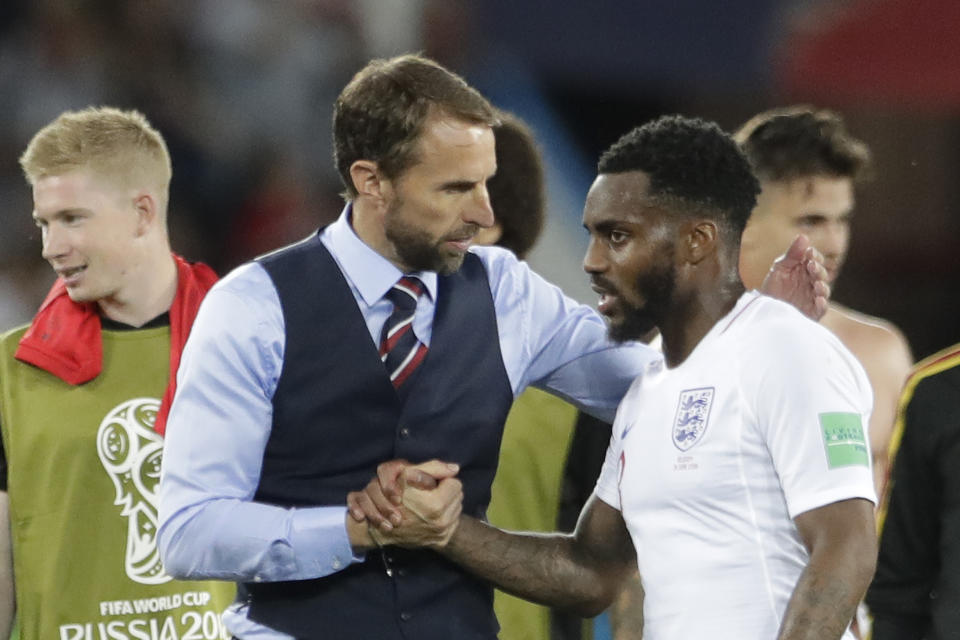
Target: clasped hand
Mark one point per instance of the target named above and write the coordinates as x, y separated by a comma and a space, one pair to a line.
410, 505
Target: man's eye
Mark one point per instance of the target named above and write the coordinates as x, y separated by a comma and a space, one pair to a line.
616, 237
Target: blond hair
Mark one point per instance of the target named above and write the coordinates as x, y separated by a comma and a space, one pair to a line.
119, 145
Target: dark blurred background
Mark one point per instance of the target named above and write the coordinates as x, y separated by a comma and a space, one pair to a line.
242, 90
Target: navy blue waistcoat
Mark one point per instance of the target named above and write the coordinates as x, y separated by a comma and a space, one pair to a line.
337, 416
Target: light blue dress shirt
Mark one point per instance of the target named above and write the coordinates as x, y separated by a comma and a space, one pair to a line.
210, 527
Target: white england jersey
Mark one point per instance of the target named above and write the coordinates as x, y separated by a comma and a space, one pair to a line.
709, 463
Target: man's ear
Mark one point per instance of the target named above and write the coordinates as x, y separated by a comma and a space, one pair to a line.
701, 240
145, 206
368, 180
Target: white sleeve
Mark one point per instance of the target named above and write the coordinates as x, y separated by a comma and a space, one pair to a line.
812, 401
608, 483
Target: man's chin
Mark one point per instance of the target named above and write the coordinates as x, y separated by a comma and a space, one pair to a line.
450, 264
443, 262
79, 295
635, 330
619, 336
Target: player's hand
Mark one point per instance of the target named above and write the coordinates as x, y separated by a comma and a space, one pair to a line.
379, 502
799, 277
430, 516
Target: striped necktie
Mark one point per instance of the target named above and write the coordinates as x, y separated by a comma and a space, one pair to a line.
400, 350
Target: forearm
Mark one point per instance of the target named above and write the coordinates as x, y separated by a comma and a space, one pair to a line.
825, 599
626, 614
544, 568
229, 539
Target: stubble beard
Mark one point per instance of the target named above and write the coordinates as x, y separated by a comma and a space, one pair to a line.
656, 288
415, 248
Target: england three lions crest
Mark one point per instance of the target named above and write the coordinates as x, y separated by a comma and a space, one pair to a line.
693, 412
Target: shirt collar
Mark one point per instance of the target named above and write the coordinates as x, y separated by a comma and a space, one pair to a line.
371, 273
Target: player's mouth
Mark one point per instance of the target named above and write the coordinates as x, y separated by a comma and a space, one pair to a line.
71, 275
608, 298
833, 262
461, 244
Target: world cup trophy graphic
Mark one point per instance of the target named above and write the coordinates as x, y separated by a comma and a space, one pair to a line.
130, 451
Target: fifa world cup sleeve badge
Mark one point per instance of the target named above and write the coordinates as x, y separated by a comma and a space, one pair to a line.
844, 439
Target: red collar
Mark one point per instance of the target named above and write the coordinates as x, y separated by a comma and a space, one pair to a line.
64, 338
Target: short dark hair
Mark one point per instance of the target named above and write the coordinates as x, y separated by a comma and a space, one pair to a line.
379, 115
692, 164
517, 191
801, 141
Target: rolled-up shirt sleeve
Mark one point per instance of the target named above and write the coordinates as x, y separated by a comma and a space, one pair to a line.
219, 423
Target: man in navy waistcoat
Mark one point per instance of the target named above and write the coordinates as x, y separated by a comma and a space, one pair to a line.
383, 336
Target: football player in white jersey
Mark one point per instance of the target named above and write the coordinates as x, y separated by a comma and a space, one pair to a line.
739, 467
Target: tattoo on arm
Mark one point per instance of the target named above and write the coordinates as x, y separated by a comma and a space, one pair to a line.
821, 607
581, 571
842, 541
626, 614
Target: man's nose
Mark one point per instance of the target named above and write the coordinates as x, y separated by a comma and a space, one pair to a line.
53, 243
480, 212
594, 260
834, 240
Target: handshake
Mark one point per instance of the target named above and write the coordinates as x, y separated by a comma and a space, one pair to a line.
408, 505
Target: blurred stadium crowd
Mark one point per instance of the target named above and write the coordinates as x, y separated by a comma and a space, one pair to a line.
242, 90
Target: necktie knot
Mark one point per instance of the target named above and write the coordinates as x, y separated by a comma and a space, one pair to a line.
405, 293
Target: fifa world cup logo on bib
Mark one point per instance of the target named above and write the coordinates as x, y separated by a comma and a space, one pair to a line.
130, 451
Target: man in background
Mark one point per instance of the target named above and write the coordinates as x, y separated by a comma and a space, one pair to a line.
915, 594
81, 390
551, 454
538, 436
808, 165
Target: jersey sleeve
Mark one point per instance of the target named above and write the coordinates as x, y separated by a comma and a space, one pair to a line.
812, 401
608, 483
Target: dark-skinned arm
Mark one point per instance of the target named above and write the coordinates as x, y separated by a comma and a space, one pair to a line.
582, 571
841, 538
626, 614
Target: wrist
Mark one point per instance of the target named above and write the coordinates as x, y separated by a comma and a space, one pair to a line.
359, 535
449, 544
